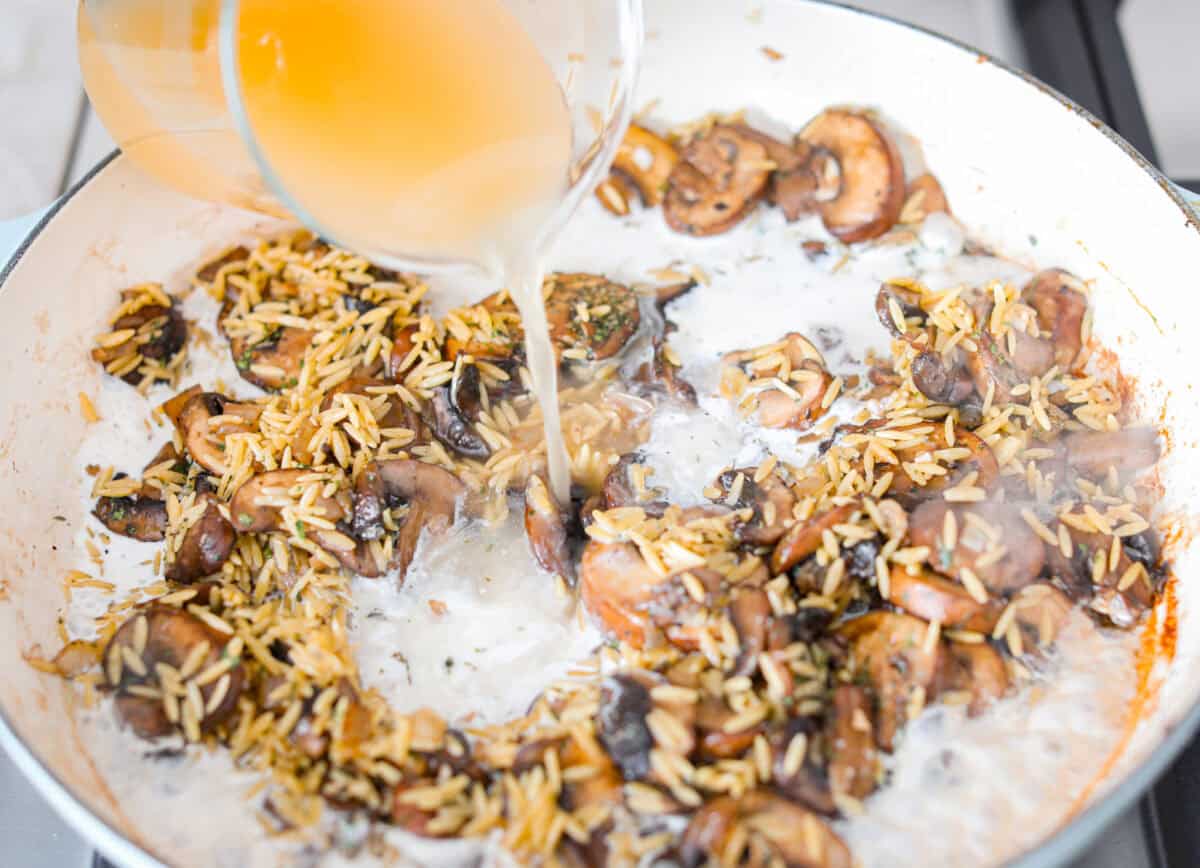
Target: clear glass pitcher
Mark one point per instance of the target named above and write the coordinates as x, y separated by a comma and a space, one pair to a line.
165, 77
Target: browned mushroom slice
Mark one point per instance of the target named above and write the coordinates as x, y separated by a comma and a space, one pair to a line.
853, 758
615, 583
274, 363
674, 608
396, 414
169, 636
616, 194
798, 772
206, 419
1093, 453
800, 190
1123, 593
209, 271
974, 668
432, 495
137, 517
942, 380
895, 301
872, 174
448, 422
804, 538
646, 160
752, 617
621, 725
625, 485
1061, 302
1042, 611
782, 385
923, 196
173, 406
994, 370
661, 375
152, 330
785, 830
720, 177
256, 506
992, 543
770, 503
590, 315
801, 176
979, 461
205, 546
546, 529
892, 651
929, 596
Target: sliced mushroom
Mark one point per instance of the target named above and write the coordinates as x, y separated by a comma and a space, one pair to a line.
787, 831
770, 503
432, 495
208, 272
929, 596
1061, 302
980, 461
923, 196
256, 506
615, 584
274, 363
166, 635
646, 160
205, 546
992, 541
590, 314
782, 386
156, 331
1123, 606
891, 651
973, 668
1093, 453
448, 422
752, 618
801, 190
853, 757
546, 529
904, 299
623, 487
203, 438
1042, 611
801, 176
720, 177
137, 517
397, 415
804, 538
809, 784
871, 193
621, 725
663, 376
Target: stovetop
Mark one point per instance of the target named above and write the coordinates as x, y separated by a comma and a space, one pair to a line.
1077, 46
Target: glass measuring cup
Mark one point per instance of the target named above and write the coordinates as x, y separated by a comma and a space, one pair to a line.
166, 78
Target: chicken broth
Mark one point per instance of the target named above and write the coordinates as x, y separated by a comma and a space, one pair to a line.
723, 446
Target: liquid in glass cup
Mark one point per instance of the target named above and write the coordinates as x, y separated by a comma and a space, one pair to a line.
423, 135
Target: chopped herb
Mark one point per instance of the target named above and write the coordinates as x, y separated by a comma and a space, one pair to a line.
300, 530
245, 360
245, 519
